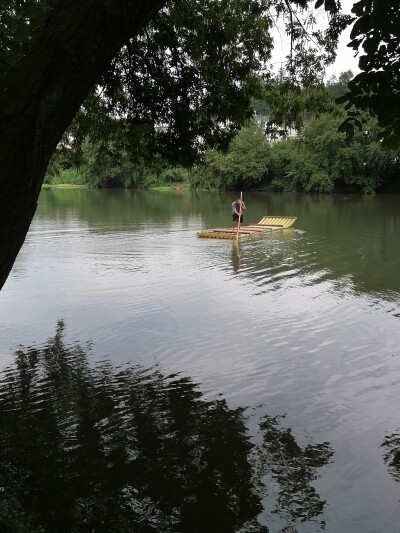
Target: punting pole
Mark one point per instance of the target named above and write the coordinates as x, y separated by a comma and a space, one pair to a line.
240, 214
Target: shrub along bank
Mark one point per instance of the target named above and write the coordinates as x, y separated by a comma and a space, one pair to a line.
319, 159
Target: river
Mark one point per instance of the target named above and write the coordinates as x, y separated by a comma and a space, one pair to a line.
294, 334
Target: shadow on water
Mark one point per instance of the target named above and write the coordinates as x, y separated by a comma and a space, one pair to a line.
98, 448
391, 457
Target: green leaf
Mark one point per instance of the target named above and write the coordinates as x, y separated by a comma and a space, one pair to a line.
371, 44
358, 8
361, 27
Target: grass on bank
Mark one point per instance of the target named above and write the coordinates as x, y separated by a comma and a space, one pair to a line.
166, 188
63, 186
171, 180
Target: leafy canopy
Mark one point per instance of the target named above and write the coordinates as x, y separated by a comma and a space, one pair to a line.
376, 90
185, 82
243, 166
321, 160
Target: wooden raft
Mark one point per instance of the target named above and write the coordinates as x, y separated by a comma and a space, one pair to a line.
272, 223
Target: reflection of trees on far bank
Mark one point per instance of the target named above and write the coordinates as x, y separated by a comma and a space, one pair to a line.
98, 448
350, 237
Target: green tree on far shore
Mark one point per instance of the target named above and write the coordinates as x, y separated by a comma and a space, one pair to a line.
245, 164
321, 159
338, 86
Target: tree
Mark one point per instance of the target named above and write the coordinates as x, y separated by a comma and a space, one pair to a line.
244, 165
48, 68
248, 158
376, 90
320, 159
54, 52
290, 104
339, 86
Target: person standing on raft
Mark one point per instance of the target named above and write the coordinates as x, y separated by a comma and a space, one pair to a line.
236, 212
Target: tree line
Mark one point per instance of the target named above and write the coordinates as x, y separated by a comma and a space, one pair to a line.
319, 158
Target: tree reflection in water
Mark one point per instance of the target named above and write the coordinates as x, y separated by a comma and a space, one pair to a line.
392, 455
103, 449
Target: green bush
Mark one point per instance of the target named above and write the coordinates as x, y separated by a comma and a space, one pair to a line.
248, 159
321, 160
71, 176
207, 175
173, 174
277, 185
64, 177
245, 164
280, 167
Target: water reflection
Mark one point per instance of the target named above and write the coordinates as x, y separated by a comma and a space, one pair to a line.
127, 449
335, 237
235, 255
391, 456
292, 468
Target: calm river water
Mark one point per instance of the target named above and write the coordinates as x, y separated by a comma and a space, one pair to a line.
198, 384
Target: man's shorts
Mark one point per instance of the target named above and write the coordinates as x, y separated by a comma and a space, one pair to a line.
235, 217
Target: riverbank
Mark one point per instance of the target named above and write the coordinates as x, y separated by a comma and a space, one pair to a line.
170, 187
63, 186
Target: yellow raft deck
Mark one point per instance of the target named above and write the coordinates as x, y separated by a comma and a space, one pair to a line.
266, 224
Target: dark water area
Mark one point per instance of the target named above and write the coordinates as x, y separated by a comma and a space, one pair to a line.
154, 381
110, 449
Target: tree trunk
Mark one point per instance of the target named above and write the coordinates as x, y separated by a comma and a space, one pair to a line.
40, 95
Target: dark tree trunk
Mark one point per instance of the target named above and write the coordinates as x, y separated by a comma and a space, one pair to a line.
40, 95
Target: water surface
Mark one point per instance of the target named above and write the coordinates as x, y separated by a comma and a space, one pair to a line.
301, 323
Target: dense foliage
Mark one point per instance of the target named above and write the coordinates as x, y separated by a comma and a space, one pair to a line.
338, 86
319, 159
184, 84
376, 90
243, 166
102, 164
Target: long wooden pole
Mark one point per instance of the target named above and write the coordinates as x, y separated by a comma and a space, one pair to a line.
240, 214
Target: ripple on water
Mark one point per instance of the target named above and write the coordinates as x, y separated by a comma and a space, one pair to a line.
303, 323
